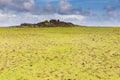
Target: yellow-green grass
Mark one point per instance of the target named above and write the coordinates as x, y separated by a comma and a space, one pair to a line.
72, 53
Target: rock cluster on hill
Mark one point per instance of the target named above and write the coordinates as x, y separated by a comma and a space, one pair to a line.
46, 23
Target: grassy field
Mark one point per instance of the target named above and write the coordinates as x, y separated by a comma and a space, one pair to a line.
73, 53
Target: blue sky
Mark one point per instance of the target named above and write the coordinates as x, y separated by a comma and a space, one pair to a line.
82, 12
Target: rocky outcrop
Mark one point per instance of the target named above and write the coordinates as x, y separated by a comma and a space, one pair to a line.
51, 23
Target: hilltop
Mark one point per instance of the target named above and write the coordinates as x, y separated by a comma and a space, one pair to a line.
48, 23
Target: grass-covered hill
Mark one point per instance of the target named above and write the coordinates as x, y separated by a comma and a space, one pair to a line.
50, 23
60, 53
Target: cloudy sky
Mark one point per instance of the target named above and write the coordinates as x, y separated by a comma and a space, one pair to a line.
82, 12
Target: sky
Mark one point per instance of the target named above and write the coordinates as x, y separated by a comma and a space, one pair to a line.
81, 12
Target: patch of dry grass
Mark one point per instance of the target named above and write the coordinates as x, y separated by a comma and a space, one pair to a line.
74, 53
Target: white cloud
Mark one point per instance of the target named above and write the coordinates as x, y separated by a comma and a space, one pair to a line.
28, 5
17, 4
16, 12
65, 17
9, 18
64, 6
48, 0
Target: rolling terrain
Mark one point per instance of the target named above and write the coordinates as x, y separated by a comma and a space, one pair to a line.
60, 53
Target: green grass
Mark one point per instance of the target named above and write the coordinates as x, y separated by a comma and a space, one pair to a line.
73, 53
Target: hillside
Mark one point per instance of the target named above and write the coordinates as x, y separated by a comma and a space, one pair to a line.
60, 53
50, 23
